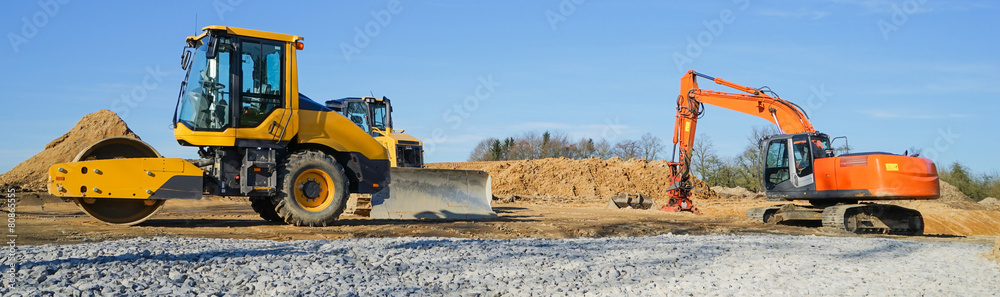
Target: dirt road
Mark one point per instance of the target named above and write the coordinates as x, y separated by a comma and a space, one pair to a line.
50, 221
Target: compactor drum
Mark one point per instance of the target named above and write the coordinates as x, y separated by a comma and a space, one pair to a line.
92, 199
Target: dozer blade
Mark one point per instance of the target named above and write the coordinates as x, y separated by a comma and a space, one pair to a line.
635, 201
421, 193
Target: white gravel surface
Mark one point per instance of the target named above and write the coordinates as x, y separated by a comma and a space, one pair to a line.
670, 265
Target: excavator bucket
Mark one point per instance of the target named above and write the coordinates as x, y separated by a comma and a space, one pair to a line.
421, 193
634, 201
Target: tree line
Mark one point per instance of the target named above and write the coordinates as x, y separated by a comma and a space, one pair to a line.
532, 145
742, 170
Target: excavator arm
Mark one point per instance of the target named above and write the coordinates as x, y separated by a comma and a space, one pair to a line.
787, 116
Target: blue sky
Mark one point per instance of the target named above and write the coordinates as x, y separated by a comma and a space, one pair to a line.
890, 75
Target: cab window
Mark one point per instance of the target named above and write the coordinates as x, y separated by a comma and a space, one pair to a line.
776, 163
379, 115
261, 65
820, 145
802, 152
358, 113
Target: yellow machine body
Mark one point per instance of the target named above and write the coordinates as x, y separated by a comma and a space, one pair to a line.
337, 132
133, 178
257, 136
290, 122
393, 141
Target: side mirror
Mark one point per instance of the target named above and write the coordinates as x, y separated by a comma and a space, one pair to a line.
185, 59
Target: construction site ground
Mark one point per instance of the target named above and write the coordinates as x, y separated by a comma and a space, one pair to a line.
48, 220
544, 198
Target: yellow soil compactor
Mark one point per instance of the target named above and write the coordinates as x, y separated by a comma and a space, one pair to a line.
297, 160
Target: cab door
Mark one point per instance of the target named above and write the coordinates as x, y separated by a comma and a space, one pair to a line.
788, 167
802, 155
262, 109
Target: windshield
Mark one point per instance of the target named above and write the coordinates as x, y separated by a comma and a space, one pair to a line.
358, 114
204, 103
379, 116
820, 145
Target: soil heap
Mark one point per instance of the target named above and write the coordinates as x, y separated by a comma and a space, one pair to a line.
737, 192
31, 174
990, 203
951, 196
577, 181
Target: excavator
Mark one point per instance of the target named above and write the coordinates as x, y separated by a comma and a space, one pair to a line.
800, 165
297, 160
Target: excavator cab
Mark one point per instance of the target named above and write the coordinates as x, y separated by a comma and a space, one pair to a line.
789, 161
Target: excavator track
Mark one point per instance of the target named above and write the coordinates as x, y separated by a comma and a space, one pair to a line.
764, 214
865, 218
874, 219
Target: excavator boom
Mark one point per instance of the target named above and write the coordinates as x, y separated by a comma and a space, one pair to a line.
690, 107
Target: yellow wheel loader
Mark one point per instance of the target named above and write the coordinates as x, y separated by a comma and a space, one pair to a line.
416, 192
297, 160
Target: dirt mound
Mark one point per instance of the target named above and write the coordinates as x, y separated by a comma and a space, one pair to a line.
570, 181
737, 192
990, 203
951, 196
31, 174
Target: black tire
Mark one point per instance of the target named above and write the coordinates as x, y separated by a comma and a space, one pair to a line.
264, 207
312, 189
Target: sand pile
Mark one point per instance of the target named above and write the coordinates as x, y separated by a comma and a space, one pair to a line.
737, 192
951, 196
990, 203
31, 174
569, 181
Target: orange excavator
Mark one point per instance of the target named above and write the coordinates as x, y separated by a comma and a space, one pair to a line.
801, 165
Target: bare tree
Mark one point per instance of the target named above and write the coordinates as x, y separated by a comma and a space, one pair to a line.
483, 151
555, 145
749, 164
651, 146
603, 149
704, 161
585, 148
627, 149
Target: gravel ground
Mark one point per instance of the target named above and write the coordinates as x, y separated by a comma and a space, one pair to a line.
670, 265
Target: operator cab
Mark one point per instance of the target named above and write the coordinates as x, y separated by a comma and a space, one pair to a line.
232, 81
369, 113
374, 115
789, 162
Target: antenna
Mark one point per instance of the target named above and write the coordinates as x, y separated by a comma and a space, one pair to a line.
195, 24
373, 93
